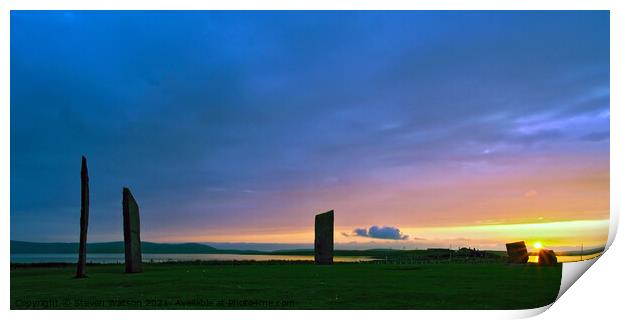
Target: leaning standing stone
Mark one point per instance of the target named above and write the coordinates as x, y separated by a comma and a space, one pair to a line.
517, 252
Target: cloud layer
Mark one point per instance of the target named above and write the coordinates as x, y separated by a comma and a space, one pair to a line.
221, 121
385, 232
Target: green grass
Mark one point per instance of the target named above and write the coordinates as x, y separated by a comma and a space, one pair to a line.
288, 286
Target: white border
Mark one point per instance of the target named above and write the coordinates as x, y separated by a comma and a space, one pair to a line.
7, 5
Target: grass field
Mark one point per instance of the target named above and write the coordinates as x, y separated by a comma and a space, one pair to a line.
287, 286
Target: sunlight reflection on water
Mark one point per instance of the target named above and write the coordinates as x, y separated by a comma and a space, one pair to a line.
120, 258
534, 259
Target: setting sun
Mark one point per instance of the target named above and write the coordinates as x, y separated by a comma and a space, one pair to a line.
537, 245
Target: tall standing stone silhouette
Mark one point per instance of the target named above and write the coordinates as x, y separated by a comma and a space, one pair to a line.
131, 232
324, 238
81, 266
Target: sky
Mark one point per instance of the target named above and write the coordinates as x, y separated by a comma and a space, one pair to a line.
420, 129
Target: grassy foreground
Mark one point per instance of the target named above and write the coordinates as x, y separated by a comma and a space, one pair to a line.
288, 286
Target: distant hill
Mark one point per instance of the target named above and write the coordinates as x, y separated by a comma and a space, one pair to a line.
114, 247
580, 252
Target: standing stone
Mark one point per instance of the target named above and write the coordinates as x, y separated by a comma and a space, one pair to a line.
81, 266
131, 232
324, 238
547, 257
517, 252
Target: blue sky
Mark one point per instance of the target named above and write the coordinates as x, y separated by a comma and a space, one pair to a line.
231, 125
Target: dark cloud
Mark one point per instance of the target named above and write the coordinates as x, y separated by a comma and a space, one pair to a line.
360, 232
377, 232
